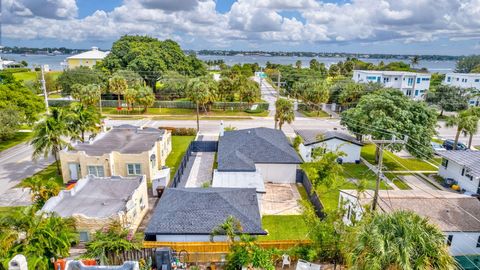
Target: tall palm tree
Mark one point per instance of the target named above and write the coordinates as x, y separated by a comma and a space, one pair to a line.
201, 91
88, 95
118, 85
283, 112
144, 97
399, 240
231, 228
48, 136
82, 119
130, 95
414, 61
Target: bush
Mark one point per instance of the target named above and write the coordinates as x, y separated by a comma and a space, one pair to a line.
181, 131
16, 70
258, 110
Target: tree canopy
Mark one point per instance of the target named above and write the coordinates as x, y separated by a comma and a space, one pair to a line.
79, 75
388, 112
449, 98
468, 64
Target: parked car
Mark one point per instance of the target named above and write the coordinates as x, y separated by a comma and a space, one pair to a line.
448, 144
437, 147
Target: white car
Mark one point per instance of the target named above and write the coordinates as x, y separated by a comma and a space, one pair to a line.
437, 147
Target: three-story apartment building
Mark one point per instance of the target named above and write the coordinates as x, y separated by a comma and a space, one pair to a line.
466, 80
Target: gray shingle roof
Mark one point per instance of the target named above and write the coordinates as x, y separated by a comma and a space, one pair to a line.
200, 210
467, 158
311, 136
94, 197
125, 139
239, 150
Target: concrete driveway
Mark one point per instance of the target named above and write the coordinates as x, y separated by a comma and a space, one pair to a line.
281, 199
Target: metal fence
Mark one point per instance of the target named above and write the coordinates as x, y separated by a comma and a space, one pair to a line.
194, 146
312, 195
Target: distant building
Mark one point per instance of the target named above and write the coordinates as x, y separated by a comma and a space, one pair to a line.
463, 166
455, 214
331, 140
465, 80
86, 59
123, 151
95, 202
413, 85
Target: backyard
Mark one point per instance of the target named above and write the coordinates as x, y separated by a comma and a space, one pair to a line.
284, 227
18, 138
395, 163
179, 147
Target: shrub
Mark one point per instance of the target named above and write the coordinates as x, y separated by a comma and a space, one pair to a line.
181, 131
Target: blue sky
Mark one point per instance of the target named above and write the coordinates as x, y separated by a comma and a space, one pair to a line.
365, 26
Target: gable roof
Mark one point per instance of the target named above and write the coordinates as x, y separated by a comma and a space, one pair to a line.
126, 139
95, 197
311, 136
444, 208
200, 210
92, 54
239, 150
467, 158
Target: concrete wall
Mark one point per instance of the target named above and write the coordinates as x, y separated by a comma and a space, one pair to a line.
278, 173
454, 171
73, 63
351, 150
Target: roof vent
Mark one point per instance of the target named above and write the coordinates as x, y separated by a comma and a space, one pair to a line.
94, 48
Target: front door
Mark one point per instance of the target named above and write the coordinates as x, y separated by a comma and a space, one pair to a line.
74, 170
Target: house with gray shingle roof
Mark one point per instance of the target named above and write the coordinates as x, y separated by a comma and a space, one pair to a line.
191, 214
249, 158
329, 140
462, 166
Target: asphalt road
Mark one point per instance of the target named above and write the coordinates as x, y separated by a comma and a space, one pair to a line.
269, 94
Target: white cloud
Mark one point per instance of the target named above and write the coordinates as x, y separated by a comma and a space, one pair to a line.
251, 21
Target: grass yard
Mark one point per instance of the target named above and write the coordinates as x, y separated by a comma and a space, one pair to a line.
18, 138
319, 114
49, 172
26, 76
284, 227
190, 113
394, 163
397, 181
179, 147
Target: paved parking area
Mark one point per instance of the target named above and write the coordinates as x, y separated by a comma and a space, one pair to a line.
281, 199
199, 170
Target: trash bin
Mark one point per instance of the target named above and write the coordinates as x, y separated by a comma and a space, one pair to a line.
163, 258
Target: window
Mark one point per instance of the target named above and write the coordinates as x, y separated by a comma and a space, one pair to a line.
458, 79
396, 79
463, 171
410, 81
425, 79
449, 240
449, 79
416, 92
134, 169
84, 237
444, 162
409, 92
418, 80
478, 242
371, 78
477, 80
96, 170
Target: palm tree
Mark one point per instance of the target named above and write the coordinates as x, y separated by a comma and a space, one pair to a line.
130, 95
48, 136
81, 119
145, 97
464, 121
41, 190
399, 240
283, 112
118, 85
470, 126
88, 95
231, 228
201, 91
414, 61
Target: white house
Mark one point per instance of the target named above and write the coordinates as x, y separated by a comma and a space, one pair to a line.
329, 140
465, 80
412, 84
462, 166
251, 157
455, 214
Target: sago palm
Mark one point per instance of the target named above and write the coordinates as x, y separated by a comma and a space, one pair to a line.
48, 136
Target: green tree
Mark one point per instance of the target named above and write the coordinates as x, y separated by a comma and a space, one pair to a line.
283, 112
324, 170
88, 95
80, 75
314, 64
351, 94
231, 228
249, 91
118, 85
201, 91
400, 240
449, 98
174, 85
144, 97
312, 92
465, 121
41, 190
334, 70
113, 239
133, 79
82, 119
226, 90
298, 64
10, 120
249, 254
48, 136
467, 64
414, 61
130, 96
386, 113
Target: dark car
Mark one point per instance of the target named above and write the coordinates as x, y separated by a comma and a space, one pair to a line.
448, 144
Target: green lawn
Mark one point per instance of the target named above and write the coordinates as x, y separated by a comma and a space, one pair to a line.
394, 163
25, 76
397, 181
284, 227
314, 113
19, 137
179, 147
49, 172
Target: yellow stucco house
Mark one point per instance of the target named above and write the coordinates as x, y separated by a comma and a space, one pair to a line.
124, 150
86, 59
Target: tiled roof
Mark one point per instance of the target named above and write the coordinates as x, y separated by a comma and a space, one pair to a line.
311, 136
125, 139
451, 211
467, 158
239, 150
200, 210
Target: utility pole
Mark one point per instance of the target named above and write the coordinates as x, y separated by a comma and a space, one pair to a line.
278, 83
44, 87
381, 146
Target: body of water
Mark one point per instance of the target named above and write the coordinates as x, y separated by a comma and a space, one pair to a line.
55, 61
